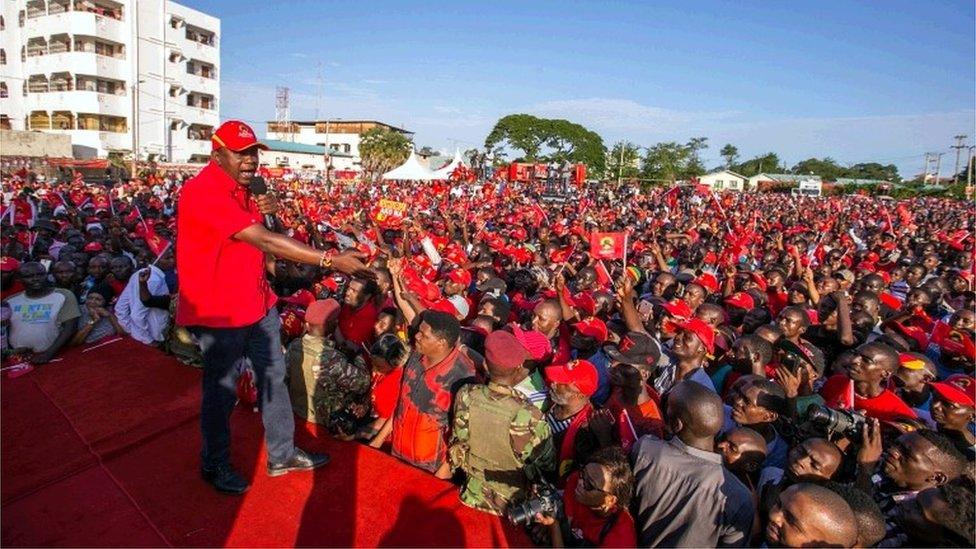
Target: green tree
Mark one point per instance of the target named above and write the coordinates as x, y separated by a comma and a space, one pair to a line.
768, 163
694, 166
629, 167
381, 150
827, 168
730, 153
873, 170
666, 161
544, 140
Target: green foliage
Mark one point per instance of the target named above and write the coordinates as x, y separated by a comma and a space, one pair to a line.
829, 170
382, 149
730, 153
548, 140
630, 166
666, 161
765, 163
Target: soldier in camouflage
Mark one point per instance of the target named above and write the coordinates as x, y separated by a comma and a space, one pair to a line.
500, 440
322, 380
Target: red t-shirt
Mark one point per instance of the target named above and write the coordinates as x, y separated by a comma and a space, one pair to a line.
357, 325
222, 280
14, 288
838, 391
386, 391
586, 525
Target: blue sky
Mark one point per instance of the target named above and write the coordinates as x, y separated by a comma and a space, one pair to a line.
879, 81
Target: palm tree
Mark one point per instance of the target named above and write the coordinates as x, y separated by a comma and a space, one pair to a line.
381, 150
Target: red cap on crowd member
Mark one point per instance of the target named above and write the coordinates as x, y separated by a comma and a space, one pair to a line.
584, 302
760, 281
503, 350
322, 311
891, 301
444, 306
678, 308
8, 264
914, 333
93, 247
708, 281
593, 327
291, 322
741, 300
236, 136
302, 298
535, 343
704, 332
952, 392
460, 276
580, 373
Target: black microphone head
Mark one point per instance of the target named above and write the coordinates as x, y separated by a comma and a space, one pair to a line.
257, 185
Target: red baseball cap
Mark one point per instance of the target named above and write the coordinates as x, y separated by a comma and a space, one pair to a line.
704, 332
9, 264
585, 302
93, 247
580, 373
460, 276
678, 308
236, 136
741, 300
535, 343
503, 350
954, 390
321, 311
302, 298
593, 327
707, 281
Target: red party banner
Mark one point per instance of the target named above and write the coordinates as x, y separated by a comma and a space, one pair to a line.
608, 245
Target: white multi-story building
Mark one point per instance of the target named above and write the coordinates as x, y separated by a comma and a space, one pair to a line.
340, 136
99, 69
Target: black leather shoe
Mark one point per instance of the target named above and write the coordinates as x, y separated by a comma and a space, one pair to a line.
225, 480
301, 461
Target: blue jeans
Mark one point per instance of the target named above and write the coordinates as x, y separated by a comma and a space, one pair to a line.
223, 349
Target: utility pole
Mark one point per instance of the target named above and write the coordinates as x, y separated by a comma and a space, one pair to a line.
969, 166
938, 167
925, 170
620, 167
959, 146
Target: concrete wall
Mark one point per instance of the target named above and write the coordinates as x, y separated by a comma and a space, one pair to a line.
37, 144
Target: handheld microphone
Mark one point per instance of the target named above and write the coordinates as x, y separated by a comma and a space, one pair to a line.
257, 186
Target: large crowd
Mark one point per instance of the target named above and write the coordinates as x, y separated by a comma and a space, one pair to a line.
757, 368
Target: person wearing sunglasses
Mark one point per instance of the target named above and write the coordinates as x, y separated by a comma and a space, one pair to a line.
595, 504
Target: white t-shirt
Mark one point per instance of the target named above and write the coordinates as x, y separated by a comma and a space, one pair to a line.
36, 322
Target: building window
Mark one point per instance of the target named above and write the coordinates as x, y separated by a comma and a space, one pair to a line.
3, 23
347, 148
3, 90
3, 56
4, 122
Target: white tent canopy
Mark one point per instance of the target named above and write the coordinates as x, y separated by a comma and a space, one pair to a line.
411, 170
446, 171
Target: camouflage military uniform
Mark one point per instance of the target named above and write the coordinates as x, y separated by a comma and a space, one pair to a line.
322, 380
501, 441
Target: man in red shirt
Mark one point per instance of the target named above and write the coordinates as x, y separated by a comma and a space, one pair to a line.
225, 300
865, 385
358, 314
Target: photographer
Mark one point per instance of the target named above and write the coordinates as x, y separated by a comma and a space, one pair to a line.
595, 504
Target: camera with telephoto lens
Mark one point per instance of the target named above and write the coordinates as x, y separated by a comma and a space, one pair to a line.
845, 422
544, 499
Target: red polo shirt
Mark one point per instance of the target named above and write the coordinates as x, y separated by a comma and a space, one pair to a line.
222, 281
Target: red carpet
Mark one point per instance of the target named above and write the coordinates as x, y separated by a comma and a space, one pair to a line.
102, 449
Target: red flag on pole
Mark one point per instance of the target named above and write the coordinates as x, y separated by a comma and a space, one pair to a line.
608, 245
156, 243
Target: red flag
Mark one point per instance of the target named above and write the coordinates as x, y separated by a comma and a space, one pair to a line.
157, 244
608, 245
602, 274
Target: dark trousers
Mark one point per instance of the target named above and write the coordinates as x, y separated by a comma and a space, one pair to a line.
223, 349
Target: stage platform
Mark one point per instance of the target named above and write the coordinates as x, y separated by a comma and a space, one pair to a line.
102, 449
